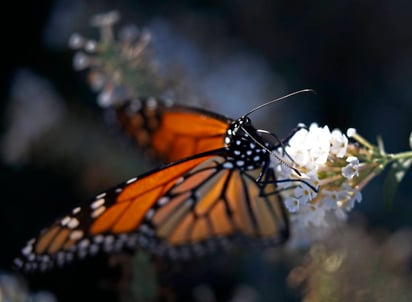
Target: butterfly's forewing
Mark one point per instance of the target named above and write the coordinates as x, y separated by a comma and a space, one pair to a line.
171, 132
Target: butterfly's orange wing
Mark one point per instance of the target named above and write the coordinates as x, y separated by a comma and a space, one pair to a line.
184, 208
171, 132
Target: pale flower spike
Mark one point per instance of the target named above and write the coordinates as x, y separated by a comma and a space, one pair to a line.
338, 168
119, 64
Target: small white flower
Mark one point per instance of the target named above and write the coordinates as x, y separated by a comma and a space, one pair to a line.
283, 175
105, 19
339, 143
299, 139
313, 214
354, 194
330, 199
97, 80
353, 160
340, 213
313, 180
357, 196
310, 148
352, 168
318, 141
348, 171
111, 96
303, 194
105, 98
81, 61
292, 204
298, 147
351, 132
90, 46
348, 196
76, 41
300, 156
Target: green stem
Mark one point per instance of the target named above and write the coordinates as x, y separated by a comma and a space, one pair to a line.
402, 155
363, 141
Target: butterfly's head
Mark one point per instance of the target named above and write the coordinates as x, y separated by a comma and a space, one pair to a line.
235, 130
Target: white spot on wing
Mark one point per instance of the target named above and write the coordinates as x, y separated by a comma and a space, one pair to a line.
18, 262
151, 102
69, 257
27, 250
76, 235
76, 210
65, 221
97, 203
108, 240
45, 258
145, 229
99, 211
73, 223
180, 180
84, 243
150, 213
163, 200
93, 249
228, 165
98, 238
101, 195
81, 253
131, 180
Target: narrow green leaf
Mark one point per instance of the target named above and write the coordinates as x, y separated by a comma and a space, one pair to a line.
381, 146
393, 179
410, 140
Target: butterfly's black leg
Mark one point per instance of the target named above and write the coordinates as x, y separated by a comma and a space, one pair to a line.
266, 176
288, 188
263, 172
283, 142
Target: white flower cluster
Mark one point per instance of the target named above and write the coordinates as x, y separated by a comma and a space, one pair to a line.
324, 187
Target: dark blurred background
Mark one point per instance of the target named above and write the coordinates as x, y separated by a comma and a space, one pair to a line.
57, 150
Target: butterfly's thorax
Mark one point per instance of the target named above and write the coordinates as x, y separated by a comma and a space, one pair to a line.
244, 152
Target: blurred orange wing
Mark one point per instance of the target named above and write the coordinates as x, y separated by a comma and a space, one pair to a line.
171, 132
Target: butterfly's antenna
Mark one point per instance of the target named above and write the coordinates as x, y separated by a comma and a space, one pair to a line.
282, 161
279, 99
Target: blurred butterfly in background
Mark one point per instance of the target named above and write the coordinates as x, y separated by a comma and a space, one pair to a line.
167, 132
218, 191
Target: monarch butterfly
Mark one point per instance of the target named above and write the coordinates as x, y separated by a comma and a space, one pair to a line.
188, 207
